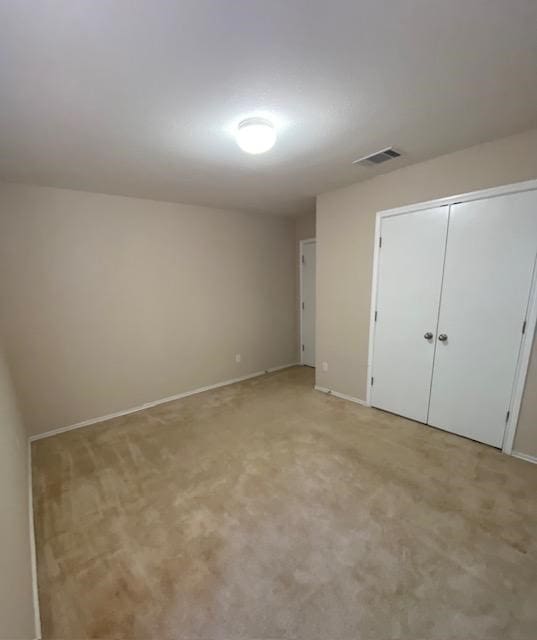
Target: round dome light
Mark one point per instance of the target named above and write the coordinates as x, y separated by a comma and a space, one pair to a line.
256, 135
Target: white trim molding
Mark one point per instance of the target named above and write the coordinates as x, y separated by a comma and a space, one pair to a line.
301, 244
523, 364
524, 456
493, 192
372, 326
33, 558
531, 315
154, 403
343, 396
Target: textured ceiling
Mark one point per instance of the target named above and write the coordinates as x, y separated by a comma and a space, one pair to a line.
141, 98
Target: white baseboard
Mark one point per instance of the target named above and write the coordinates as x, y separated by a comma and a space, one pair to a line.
154, 403
516, 454
344, 396
33, 559
524, 456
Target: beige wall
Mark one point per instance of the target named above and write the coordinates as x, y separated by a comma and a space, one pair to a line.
305, 226
109, 302
16, 596
345, 232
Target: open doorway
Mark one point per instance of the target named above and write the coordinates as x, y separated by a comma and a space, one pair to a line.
307, 302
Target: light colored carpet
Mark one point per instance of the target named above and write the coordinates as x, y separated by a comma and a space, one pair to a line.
269, 510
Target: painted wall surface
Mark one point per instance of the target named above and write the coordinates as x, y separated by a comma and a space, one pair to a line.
305, 226
16, 595
345, 238
109, 302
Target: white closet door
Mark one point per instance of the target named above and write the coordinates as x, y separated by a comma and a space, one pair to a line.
308, 303
409, 283
490, 258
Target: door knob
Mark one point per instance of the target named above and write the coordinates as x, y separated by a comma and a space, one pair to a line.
442, 337
428, 335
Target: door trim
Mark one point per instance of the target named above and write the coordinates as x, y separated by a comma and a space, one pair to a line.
521, 370
531, 315
301, 244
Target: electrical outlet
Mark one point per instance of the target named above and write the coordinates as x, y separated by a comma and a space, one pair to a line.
237, 357
324, 366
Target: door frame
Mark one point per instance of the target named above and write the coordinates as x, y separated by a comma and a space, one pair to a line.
300, 301
531, 315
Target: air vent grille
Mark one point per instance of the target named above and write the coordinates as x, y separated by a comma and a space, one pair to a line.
378, 157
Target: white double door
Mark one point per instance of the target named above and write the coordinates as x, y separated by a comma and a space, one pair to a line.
452, 297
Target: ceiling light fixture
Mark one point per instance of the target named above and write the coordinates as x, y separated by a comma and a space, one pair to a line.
256, 135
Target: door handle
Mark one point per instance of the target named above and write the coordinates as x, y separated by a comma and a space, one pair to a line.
428, 335
442, 337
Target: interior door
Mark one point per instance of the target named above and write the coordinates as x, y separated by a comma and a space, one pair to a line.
489, 265
308, 303
409, 283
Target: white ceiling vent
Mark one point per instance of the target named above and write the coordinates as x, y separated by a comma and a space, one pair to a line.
378, 157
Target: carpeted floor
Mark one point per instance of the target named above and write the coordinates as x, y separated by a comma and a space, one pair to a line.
267, 510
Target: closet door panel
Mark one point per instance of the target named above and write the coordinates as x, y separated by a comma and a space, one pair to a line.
409, 282
489, 265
